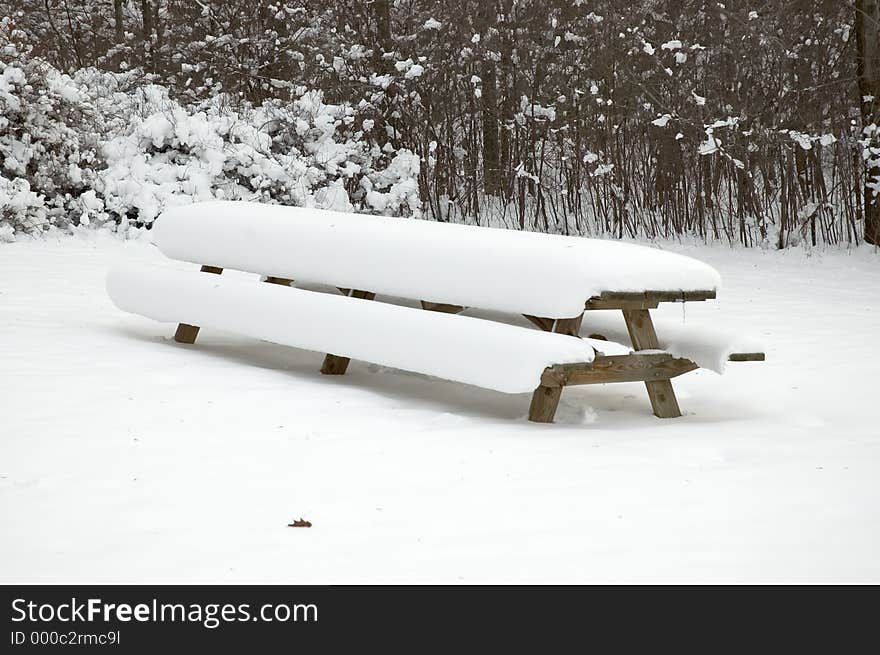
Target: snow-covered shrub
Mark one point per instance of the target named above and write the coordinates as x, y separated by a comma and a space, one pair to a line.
303, 153
98, 147
400, 179
40, 154
51, 126
20, 208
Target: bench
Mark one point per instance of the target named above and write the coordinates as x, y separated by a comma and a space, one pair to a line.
551, 280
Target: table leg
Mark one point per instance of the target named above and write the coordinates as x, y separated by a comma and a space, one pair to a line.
545, 399
187, 333
336, 364
644, 337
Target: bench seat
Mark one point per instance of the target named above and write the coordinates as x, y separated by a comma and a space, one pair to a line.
484, 353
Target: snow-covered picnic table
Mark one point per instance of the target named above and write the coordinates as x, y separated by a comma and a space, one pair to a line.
550, 279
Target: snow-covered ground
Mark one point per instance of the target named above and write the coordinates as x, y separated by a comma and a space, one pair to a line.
125, 457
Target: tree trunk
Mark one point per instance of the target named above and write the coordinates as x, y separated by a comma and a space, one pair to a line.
160, 37
120, 28
489, 114
491, 158
383, 26
382, 15
868, 66
147, 19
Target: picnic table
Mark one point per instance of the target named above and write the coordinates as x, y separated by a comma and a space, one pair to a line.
553, 281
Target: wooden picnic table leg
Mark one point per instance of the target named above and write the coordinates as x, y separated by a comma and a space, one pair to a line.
545, 399
443, 308
545, 324
283, 281
644, 337
187, 333
568, 326
334, 364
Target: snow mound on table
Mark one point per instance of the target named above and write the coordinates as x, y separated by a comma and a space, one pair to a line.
503, 270
707, 347
470, 350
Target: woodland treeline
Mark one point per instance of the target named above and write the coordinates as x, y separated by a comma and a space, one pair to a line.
743, 121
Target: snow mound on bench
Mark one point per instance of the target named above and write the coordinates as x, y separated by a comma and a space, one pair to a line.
707, 347
470, 350
503, 270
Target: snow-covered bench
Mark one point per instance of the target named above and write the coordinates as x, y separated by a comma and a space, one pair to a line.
549, 279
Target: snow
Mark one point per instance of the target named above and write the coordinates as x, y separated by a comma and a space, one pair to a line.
710, 145
333, 197
415, 70
470, 350
423, 260
534, 111
126, 457
802, 140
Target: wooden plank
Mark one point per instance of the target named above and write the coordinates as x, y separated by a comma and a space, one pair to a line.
283, 281
636, 367
650, 368
568, 326
545, 400
335, 364
644, 299
663, 400
363, 295
641, 329
186, 333
611, 303
746, 357
545, 324
643, 337
441, 307
618, 368
660, 296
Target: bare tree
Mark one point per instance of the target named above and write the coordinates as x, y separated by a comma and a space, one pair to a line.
486, 17
868, 40
117, 15
147, 24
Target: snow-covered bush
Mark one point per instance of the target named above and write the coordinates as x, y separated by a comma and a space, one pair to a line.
20, 208
396, 187
43, 160
51, 128
97, 147
304, 153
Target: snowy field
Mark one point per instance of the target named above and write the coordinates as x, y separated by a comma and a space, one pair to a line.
125, 457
